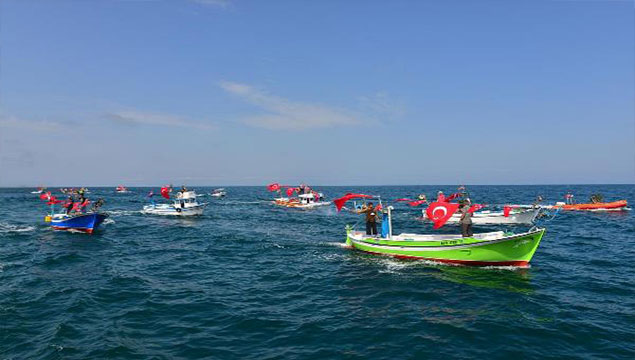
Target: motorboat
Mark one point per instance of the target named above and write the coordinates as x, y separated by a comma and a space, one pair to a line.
509, 216
218, 193
302, 201
122, 189
184, 204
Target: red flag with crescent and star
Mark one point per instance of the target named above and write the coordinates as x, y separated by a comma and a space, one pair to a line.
440, 212
165, 192
273, 187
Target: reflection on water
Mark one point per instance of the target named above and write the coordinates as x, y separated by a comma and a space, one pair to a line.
506, 278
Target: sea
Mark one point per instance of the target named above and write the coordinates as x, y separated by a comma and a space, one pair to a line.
248, 280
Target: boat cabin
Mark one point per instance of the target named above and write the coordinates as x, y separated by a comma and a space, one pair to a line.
307, 199
185, 199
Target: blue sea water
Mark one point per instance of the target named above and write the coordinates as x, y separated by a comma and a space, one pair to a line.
251, 281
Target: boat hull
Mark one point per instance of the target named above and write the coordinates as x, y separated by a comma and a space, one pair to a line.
169, 210
610, 206
512, 250
293, 203
85, 223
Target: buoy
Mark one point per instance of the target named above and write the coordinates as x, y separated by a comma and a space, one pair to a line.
47, 218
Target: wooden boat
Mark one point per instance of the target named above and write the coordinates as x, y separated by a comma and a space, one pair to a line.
486, 249
79, 222
600, 206
303, 201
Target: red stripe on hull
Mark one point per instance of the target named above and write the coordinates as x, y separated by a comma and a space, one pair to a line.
87, 231
456, 262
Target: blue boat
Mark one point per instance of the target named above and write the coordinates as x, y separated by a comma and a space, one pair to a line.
80, 222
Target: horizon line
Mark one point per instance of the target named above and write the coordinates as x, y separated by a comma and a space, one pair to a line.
346, 185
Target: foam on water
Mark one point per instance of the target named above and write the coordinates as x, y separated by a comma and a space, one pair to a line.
14, 228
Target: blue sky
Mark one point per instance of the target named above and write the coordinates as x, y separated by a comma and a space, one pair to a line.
209, 92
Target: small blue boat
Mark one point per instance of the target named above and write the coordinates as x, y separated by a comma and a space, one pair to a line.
80, 222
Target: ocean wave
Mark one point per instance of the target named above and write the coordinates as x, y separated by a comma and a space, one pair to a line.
124, 212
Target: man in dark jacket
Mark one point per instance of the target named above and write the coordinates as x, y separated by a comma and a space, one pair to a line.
371, 219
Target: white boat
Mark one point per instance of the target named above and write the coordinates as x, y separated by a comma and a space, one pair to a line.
487, 217
122, 189
184, 204
218, 193
303, 201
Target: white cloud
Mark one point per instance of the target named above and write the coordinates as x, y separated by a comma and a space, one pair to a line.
37, 125
145, 118
282, 113
382, 103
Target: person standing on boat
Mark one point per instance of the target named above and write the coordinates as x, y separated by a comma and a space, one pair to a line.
151, 196
371, 218
466, 220
440, 197
69, 204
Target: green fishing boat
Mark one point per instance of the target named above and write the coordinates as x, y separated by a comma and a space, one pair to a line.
497, 248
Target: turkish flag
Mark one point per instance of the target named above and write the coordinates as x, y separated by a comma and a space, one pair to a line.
290, 191
417, 202
440, 212
452, 197
273, 187
165, 192
339, 203
475, 207
45, 196
53, 200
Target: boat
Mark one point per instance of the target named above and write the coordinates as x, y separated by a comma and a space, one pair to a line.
121, 189
619, 205
79, 222
218, 193
510, 216
307, 198
184, 204
39, 190
302, 201
496, 248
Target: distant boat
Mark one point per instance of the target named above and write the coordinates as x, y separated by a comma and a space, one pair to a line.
184, 204
121, 189
599, 206
515, 216
218, 193
303, 201
39, 190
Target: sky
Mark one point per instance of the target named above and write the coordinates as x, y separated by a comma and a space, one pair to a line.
224, 92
